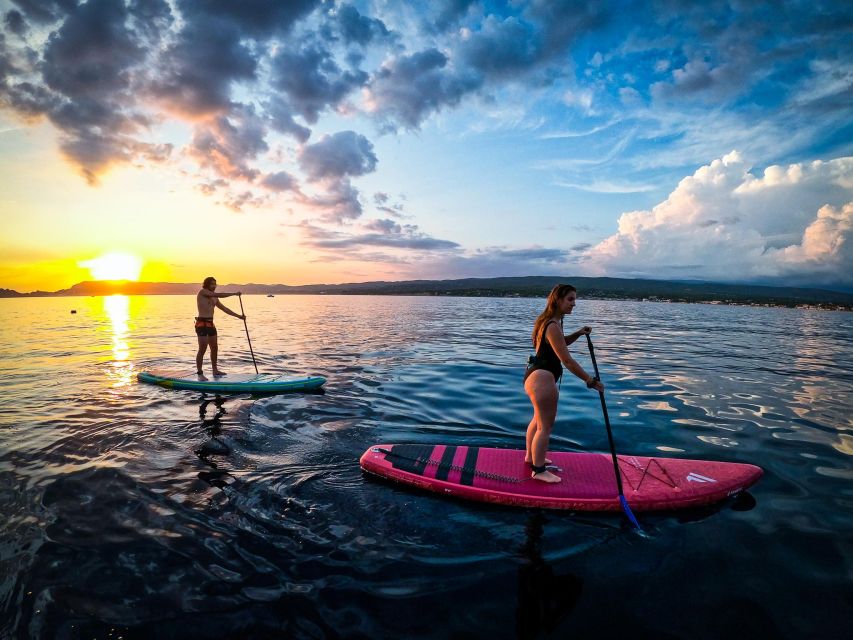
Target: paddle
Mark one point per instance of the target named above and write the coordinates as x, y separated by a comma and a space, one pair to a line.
243, 313
622, 499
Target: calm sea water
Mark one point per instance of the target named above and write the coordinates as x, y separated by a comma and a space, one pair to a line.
132, 511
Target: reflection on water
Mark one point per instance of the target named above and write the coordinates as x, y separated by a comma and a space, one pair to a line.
544, 598
117, 311
136, 509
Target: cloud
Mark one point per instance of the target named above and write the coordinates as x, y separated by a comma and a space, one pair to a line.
280, 181
446, 15
489, 262
339, 202
84, 80
281, 113
725, 223
605, 186
312, 80
501, 46
198, 70
45, 11
826, 249
386, 234
345, 153
666, 86
14, 21
238, 201
226, 144
359, 29
407, 89
255, 18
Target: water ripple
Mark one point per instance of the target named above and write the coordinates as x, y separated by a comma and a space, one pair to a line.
128, 508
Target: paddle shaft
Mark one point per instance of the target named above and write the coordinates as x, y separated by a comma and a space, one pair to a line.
243, 313
606, 419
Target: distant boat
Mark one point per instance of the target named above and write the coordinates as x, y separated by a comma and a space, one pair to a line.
269, 295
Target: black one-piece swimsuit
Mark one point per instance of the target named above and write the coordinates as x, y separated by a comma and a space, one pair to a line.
545, 357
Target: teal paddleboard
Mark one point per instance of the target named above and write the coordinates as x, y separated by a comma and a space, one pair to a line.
236, 383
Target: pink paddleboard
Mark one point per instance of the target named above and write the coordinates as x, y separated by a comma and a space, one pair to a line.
589, 482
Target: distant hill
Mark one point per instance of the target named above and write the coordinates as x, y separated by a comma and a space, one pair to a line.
525, 286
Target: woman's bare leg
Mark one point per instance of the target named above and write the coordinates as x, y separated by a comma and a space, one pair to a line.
531, 431
542, 391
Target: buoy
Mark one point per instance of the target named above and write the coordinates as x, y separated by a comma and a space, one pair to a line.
74, 311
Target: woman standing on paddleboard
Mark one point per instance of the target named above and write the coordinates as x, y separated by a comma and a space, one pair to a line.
544, 372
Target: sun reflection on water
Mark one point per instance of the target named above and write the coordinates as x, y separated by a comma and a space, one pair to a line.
117, 309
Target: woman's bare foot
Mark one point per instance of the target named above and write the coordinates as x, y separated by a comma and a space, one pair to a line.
201, 376
546, 476
218, 373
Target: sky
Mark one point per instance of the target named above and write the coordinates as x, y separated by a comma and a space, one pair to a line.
323, 142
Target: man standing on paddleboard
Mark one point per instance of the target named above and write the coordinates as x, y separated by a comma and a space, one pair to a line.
208, 300
544, 371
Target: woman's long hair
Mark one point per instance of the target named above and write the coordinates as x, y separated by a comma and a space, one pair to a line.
559, 292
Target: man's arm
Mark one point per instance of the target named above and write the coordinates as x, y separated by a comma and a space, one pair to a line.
219, 305
210, 294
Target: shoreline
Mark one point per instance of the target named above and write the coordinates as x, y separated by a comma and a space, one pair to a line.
782, 304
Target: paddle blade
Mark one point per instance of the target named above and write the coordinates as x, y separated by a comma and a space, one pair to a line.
629, 513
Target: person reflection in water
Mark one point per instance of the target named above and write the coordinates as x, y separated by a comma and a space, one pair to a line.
544, 372
544, 598
214, 447
207, 301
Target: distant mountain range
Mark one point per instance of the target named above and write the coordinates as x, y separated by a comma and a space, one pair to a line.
525, 286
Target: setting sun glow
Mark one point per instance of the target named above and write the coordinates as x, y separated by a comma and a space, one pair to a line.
114, 266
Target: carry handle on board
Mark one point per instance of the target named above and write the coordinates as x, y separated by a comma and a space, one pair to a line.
622, 499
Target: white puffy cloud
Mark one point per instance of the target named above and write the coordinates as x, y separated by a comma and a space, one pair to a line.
791, 224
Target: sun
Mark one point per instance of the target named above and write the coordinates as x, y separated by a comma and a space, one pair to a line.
114, 266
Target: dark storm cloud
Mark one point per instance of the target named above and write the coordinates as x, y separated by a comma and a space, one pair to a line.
312, 80
345, 153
